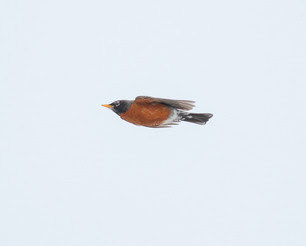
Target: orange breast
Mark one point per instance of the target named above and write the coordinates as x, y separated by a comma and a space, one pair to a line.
147, 114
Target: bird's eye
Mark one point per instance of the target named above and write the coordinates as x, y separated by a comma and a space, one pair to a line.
117, 103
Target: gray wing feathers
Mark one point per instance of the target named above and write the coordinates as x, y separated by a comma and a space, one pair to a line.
178, 104
164, 126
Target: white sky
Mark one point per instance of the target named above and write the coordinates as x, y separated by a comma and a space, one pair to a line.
73, 173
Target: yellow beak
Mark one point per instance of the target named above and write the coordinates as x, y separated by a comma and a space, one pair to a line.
107, 105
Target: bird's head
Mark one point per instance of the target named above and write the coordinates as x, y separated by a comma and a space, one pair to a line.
119, 106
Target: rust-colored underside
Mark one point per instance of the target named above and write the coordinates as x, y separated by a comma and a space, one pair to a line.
146, 113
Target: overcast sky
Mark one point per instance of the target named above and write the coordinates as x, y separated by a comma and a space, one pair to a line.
73, 173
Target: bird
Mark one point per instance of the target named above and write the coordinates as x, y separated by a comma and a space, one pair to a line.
157, 112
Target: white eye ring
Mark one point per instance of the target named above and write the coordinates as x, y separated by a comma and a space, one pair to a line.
117, 103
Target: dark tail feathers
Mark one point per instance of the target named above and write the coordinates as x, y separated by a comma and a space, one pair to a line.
200, 119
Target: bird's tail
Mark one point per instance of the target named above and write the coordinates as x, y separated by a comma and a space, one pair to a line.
200, 119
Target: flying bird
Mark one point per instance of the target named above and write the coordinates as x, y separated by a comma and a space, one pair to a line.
157, 112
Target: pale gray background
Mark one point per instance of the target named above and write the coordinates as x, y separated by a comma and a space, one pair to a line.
73, 173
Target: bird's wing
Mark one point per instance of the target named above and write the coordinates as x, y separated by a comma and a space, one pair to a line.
178, 104
164, 126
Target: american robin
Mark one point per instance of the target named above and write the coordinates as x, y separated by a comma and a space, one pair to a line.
156, 112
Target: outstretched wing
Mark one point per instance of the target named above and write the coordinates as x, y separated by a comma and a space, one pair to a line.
178, 104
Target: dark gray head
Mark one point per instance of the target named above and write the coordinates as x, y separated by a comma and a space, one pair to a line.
119, 106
